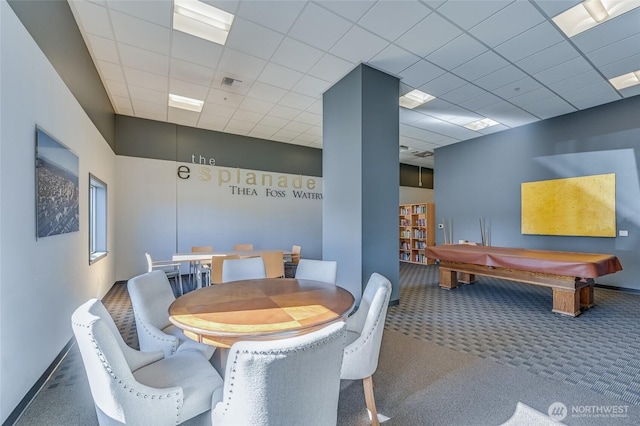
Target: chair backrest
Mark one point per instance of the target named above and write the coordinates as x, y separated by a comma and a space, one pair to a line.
240, 247
317, 270
216, 267
296, 252
243, 269
361, 355
151, 295
149, 262
294, 381
273, 263
201, 249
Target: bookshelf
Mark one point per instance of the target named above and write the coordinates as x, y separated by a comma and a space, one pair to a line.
416, 232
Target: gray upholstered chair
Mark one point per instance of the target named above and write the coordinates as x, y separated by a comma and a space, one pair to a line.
151, 296
364, 336
243, 269
170, 268
139, 388
294, 381
317, 270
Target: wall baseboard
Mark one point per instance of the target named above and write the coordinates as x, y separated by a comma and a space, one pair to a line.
24, 403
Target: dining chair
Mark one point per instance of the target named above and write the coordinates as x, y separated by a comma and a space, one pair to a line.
203, 266
364, 336
273, 263
170, 268
285, 382
216, 267
317, 270
242, 247
151, 296
139, 388
243, 269
291, 264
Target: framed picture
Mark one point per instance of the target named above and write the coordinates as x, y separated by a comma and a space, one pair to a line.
57, 209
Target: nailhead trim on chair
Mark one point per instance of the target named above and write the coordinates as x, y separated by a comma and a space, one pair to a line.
174, 346
119, 381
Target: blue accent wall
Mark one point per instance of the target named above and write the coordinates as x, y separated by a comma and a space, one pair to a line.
480, 178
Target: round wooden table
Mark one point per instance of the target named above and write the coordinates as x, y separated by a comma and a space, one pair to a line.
259, 309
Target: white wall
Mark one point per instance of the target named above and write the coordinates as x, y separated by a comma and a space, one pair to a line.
161, 213
43, 281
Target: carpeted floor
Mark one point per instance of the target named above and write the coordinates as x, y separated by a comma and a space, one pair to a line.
459, 357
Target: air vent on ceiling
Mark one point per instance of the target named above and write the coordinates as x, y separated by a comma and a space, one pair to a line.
423, 154
230, 82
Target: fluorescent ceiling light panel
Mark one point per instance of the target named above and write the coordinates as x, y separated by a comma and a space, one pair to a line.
415, 98
201, 20
182, 102
625, 80
590, 13
481, 124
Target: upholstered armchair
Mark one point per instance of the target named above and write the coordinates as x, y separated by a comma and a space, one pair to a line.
139, 388
243, 269
364, 337
317, 270
151, 296
287, 382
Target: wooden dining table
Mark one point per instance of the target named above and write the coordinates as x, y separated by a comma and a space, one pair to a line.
258, 309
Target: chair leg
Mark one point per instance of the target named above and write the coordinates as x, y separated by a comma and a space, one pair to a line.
367, 382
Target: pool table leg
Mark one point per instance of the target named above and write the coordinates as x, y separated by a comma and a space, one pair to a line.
586, 295
448, 278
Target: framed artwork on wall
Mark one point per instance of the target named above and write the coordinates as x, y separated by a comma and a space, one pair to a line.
57, 169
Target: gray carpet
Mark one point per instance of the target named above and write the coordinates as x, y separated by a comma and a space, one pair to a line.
460, 357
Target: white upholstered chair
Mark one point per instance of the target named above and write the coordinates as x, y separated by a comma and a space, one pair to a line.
317, 270
139, 388
287, 382
151, 296
170, 268
243, 269
364, 336
216, 267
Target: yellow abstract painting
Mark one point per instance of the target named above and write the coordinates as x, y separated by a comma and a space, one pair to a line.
576, 206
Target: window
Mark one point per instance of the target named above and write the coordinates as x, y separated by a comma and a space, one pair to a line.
97, 219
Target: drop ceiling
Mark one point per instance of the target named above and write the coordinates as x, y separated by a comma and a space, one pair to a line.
503, 60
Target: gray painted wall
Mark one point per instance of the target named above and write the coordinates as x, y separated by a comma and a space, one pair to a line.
482, 177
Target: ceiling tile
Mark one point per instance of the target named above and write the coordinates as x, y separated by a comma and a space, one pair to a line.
297, 127
514, 19
420, 73
141, 59
500, 77
216, 110
442, 84
600, 89
148, 95
428, 35
241, 64
547, 58
311, 86
195, 50
139, 33
394, 59
577, 82
621, 67
146, 79
296, 55
190, 90
110, 71
266, 92
193, 73
157, 12
517, 88
212, 123
183, 117
93, 18
553, 8
480, 66
358, 45
458, 51
104, 49
275, 122
508, 114
617, 51
316, 108
309, 118
117, 88
122, 104
331, 68
221, 97
238, 127
279, 76
285, 112
150, 109
467, 14
480, 102
609, 32
533, 96
564, 70
297, 101
391, 19
351, 10
548, 108
318, 27
463, 93
262, 131
247, 116
529, 42
253, 39
276, 15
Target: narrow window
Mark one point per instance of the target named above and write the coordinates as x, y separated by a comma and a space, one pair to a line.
97, 219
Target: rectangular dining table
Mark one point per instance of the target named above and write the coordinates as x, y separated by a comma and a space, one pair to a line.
258, 309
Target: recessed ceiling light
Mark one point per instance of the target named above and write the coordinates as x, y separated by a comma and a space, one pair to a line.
183, 102
481, 124
201, 20
626, 80
415, 98
590, 13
